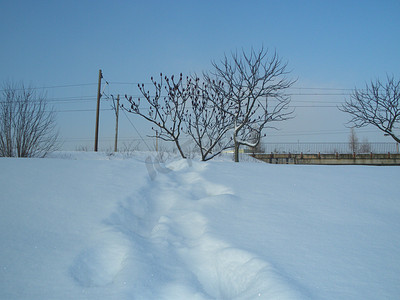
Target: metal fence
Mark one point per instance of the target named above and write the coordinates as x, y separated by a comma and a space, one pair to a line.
330, 148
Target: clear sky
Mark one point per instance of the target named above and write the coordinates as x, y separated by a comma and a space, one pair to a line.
330, 46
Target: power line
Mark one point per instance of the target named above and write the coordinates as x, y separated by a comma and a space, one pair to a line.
321, 132
136, 130
291, 88
88, 98
50, 87
150, 83
290, 133
311, 106
72, 98
58, 99
81, 110
129, 83
320, 88
317, 94
54, 102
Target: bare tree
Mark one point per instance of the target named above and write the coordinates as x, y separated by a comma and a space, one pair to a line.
205, 123
353, 141
377, 105
253, 88
165, 112
27, 125
365, 146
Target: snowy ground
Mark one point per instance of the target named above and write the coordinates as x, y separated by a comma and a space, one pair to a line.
92, 226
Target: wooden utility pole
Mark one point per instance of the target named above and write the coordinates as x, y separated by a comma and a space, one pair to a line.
96, 134
116, 125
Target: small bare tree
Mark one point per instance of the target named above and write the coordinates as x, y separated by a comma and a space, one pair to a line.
353, 141
27, 125
253, 88
165, 112
365, 146
377, 105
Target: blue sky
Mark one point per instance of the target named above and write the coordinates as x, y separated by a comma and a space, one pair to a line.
327, 44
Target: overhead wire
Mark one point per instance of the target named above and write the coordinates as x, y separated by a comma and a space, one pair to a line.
137, 131
107, 96
83, 110
51, 87
319, 132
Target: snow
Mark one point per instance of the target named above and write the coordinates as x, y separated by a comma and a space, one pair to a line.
101, 226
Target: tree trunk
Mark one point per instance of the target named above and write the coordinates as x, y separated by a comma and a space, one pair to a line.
395, 137
179, 149
236, 151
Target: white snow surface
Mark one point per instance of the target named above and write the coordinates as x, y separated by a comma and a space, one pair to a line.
97, 226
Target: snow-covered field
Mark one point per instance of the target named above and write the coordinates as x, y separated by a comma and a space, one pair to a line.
92, 226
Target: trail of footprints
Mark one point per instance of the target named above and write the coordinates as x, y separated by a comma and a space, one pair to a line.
161, 233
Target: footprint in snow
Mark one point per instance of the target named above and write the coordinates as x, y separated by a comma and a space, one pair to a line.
99, 265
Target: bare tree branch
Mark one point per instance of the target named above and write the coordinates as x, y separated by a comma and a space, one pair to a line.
205, 123
165, 112
377, 105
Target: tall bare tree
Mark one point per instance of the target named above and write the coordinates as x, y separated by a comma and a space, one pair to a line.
377, 105
27, 124
164, 107
253, 88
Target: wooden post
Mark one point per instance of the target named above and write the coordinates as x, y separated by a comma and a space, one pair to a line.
96, 133
116, 125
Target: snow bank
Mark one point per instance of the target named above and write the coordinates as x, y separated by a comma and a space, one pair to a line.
98, 226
